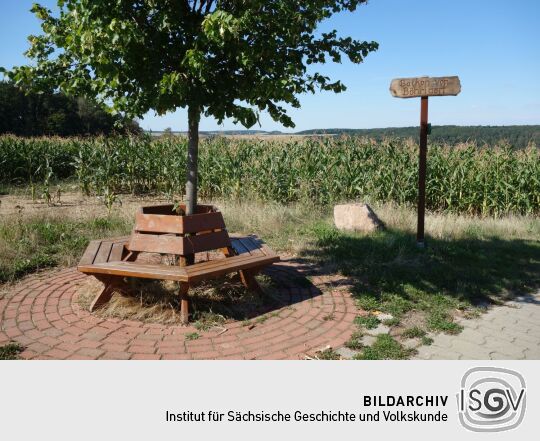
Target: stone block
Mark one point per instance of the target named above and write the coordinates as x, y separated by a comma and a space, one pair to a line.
356, 217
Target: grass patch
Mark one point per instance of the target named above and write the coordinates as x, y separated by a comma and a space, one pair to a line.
327, 354
11, 351
385, 347
367, 302
355, 342
367, 321
192, 336
427, 341
30, 243
394, 321
442, 321
22, 266
414, 332
468, 262
209, 320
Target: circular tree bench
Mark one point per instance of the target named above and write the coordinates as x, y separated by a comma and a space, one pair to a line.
160, 230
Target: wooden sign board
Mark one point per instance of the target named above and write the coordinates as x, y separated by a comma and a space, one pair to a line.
425, 86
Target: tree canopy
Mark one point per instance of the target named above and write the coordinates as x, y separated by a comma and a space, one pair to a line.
220, 58
225, 58
53, 113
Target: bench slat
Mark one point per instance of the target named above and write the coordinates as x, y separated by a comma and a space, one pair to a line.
208, 221
90, 252
117, 252
129, 269
192, 273
252, 243
266, 249
206, 242
168, 244
230, 264
253, 247
162, 223
252, 262
103, 253
239, 247
158, 223
156, 243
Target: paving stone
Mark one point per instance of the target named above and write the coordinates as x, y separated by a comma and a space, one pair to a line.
532, 353
443, 341
384, 316
411, 343
346, 353
368, 340
474, 336
498, 356
381, 329
502, 333
470, 351
67, 331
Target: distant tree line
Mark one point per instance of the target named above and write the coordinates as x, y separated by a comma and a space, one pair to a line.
33, 114
516, 136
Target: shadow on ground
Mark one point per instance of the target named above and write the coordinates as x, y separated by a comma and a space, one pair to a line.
282, 286
391, 274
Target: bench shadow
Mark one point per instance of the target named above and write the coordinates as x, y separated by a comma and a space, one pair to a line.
282, 286
481, 271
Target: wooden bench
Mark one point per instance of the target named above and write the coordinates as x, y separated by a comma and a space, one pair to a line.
112, 260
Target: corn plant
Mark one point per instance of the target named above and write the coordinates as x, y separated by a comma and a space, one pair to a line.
469, 179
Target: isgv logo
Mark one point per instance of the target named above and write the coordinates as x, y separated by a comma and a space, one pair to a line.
491, 399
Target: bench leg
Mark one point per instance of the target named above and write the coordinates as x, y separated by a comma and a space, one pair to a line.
110, 285
184, 303
248, 279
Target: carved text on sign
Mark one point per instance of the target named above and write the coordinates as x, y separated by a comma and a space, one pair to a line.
425, 86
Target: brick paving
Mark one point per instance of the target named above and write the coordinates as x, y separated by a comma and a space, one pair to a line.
509, 332
42, 314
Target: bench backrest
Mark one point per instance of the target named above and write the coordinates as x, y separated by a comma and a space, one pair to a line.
159, 229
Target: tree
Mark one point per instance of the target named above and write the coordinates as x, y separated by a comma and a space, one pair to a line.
37, 114
220, 58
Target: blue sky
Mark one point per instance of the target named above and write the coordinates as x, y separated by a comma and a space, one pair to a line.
493, 45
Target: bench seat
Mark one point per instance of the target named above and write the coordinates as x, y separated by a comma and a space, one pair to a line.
246, 258
109, 261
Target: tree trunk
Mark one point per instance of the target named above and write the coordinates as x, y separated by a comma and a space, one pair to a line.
194, 117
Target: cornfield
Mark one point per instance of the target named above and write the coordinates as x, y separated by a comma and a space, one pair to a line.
463, 179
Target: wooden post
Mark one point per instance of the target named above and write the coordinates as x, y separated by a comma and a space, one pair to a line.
424, 87
247, 277
422, 165
184, 303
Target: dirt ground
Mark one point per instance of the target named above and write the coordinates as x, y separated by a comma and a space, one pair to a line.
72, 204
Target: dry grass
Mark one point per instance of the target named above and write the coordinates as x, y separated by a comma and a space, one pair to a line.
34, 235
453, 226
212, 304
285, 227
154, 303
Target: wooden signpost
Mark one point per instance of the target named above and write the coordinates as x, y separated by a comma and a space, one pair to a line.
423, 87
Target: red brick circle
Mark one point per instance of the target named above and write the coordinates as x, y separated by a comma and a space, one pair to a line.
42, 314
